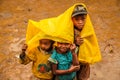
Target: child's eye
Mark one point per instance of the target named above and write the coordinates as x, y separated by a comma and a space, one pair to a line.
67, 44
76, 18
83, 18
45, 43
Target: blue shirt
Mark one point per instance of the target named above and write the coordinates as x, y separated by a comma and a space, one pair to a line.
64, 62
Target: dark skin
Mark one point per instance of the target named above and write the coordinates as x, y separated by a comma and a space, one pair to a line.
79, 22
22, 55
62, 48
44, 44
62, 72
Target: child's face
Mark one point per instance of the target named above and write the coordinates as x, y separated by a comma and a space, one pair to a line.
45, 44
63, 47
79, 21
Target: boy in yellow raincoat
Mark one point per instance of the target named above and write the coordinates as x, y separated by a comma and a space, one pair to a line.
39, 56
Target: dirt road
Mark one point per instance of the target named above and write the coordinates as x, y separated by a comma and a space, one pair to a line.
14, 15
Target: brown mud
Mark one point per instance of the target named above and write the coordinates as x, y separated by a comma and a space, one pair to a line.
14, 16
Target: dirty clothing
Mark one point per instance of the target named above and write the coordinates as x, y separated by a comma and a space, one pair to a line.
41, 67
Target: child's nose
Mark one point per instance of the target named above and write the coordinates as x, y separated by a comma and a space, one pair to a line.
80, 21
43, 46
63, 46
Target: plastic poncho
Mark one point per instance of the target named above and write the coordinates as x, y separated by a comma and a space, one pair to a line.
61, 29
89, 51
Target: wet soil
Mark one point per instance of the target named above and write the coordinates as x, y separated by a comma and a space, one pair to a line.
14, 16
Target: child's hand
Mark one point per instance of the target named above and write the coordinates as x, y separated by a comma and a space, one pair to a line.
24, 47
22, 55
79, 40
72, 48
74, 68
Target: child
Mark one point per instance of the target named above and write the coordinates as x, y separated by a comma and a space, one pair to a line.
65, 61
39, 56
79, 18
74, 20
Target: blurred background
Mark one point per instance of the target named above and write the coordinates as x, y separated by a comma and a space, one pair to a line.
14, 16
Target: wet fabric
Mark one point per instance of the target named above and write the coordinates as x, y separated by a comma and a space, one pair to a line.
46, 29
41, 67
89, 51
61, 29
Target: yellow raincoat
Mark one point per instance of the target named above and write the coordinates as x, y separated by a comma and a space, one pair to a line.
61, 29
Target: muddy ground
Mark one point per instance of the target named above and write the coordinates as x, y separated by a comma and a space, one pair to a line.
14, 16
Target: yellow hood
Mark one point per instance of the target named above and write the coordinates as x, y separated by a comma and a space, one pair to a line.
61, 29
89, 51
57, 28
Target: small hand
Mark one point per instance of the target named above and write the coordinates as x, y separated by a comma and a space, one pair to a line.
74, 68
79, 40
72, 48
24, 47
22, 55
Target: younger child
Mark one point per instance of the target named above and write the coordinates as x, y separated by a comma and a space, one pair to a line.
39, 56
65, 62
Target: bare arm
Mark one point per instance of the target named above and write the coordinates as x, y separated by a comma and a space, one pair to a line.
75, 61
23, 58
61, 72
58, 72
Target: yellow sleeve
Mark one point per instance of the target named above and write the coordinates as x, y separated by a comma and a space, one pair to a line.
31, 54
27, 57
23, 58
